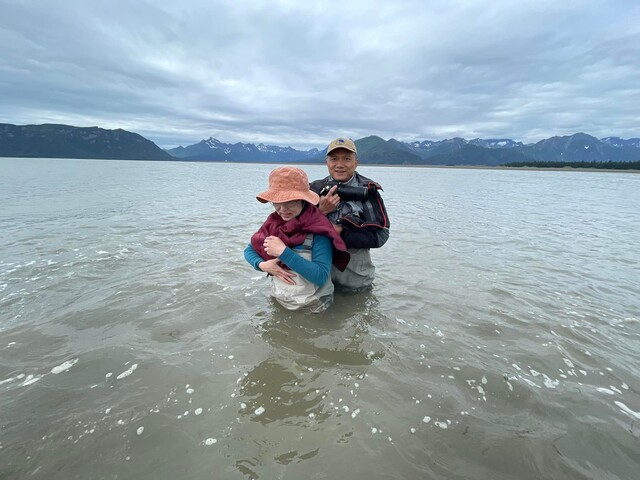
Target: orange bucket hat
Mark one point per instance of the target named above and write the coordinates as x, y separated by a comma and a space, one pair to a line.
286, 184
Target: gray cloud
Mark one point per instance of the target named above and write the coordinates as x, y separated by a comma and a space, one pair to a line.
300, 73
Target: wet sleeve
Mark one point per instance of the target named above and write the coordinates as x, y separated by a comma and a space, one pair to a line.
371, 228
365, 237
316, 270
251, 256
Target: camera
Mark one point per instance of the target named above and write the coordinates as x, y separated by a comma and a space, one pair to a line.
346, 192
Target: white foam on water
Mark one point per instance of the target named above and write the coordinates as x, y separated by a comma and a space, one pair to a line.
190, 391
210, 441
107, 411
312, 415
345, 408
63, 367
615, 389
355, 413
140, 430
442, 425
569, 363
259, 411
549, 383
127, 372
606, 390
514, 365
627, 410
7, 380
529, 382
30, 380
625, 386
198, 411
374, 430
583, 372
243, 406
484, 380
426, 419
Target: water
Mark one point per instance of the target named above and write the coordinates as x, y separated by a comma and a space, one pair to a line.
501, 339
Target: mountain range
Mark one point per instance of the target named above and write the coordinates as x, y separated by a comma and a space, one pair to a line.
579, 147
64, 141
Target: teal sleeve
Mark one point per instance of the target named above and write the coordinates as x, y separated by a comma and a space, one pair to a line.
317, 270
251, 256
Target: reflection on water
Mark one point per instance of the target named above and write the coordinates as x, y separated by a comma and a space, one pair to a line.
500, 339
308, 379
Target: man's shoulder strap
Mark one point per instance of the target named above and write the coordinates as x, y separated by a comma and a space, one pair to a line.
364, 181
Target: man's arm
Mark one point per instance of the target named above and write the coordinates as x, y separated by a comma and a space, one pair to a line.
372, 229
365, 237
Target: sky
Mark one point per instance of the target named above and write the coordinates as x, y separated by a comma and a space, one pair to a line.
300, 73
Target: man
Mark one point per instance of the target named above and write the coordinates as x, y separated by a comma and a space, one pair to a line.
353, 204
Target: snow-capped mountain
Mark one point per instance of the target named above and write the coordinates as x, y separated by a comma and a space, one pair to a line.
495, 143
213, 149
579, 147
621, 142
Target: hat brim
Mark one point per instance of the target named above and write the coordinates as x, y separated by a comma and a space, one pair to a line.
343, 147
281, 196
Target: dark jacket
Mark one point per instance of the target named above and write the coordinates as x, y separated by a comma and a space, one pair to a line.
370, 228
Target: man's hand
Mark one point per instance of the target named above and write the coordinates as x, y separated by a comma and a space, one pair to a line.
272, 268
329, 202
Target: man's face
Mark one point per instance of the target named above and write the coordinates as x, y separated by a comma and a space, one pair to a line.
342, 163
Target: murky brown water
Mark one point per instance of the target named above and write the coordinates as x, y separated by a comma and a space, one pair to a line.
501, 339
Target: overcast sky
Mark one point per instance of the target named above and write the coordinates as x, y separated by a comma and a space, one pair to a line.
300, 73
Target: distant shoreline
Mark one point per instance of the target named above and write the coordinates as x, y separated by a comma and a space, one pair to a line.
362, 164
488, 167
